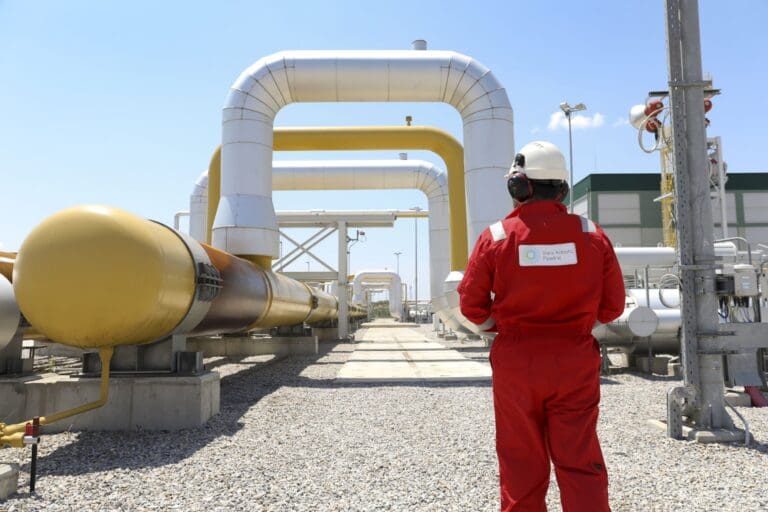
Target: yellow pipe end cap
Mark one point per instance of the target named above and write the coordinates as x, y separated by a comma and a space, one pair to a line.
93, 276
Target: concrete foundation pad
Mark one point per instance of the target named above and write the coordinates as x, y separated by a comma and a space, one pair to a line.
716, 436
411, 360
9, 479
704, 436
738, 399
149, 403
390, 352
247, 346
388, 325
326, 333
659, 366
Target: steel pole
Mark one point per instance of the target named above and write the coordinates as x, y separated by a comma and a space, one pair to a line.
721, 188
343, 286
703, 373
570, 156
416, 262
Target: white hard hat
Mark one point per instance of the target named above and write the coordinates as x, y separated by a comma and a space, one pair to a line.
540, 160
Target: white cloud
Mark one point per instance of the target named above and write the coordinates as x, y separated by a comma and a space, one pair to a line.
557, 120
622, 121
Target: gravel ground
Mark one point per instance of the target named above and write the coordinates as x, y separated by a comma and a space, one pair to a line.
289, 438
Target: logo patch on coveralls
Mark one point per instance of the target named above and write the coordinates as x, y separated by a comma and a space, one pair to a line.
554, 255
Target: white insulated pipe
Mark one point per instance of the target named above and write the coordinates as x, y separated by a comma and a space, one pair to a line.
379, 276
660, 298
198, 208
10, 316
634, 258
245, 222
360, 175
381, 175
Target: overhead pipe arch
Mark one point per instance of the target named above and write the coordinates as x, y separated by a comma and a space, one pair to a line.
245, 222
380, 276
372, 138
360, 175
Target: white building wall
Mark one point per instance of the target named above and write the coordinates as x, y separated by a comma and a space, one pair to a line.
755, 207
624, 237
618, 208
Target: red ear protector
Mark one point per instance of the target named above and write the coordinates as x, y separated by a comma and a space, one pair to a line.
518, 185
521, 188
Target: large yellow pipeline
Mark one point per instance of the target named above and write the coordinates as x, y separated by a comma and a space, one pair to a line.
94, 276
371, 138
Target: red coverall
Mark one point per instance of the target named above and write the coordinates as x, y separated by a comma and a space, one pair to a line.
544, 277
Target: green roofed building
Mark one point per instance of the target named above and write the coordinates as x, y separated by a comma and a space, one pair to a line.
623, 205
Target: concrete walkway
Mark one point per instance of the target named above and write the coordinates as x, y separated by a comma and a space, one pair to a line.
391, 353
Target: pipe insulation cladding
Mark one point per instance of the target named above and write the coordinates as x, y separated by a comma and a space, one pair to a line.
94, 276
245, 221
637, 258
10, 316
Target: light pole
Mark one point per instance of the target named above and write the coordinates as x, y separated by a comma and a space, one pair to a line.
307, 265
359, 237
568, 110
416, 257
397, 255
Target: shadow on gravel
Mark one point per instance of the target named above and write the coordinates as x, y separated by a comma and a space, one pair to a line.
93, 452
758, 447
105, 451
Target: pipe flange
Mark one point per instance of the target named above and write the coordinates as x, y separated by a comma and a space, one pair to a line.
208, 283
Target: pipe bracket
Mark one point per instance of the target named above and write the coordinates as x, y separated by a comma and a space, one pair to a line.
209, 282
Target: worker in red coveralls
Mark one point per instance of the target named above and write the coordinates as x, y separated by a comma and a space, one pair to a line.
541, 278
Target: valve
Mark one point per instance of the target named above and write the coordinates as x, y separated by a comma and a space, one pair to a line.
32, 432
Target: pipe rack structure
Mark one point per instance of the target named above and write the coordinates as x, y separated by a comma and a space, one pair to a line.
245, 221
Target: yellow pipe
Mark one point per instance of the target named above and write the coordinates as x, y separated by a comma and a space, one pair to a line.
7, 260
214, 190
412, 215
12, 435
370, 138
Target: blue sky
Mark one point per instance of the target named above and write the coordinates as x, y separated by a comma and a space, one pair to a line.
119, 103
